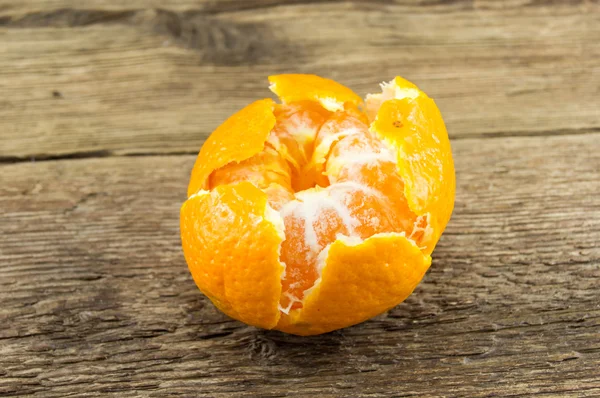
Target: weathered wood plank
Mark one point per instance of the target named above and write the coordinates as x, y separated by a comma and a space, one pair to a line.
142, 80
223, 6
95, 295
12, 7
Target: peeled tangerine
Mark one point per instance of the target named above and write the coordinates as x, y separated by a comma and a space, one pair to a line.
322, 211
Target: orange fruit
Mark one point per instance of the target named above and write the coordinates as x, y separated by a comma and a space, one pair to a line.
322, 211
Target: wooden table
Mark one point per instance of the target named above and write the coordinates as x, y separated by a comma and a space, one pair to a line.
104, 104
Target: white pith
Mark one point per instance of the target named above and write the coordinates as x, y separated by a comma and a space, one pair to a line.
200, 193
274, 217
389, 90
322, 149
374, 101
331, 104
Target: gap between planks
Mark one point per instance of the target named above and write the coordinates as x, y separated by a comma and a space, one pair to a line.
106, 153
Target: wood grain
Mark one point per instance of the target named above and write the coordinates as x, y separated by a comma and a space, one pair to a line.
116, 96
95, 296
228, 6
111, 77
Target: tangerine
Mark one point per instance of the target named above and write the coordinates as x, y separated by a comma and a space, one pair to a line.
322, 211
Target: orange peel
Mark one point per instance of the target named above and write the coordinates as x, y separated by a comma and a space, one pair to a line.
320, 212
238, 138
299, 87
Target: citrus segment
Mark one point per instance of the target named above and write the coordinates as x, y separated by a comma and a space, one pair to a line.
294, 134
315, 220
359, 281
339, 125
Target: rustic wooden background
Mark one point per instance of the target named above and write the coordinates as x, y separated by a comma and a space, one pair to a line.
104, 104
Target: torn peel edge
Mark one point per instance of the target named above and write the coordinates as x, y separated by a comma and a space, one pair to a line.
331, 104
321, 262
396, 150
390, 90
270, 142
373, 102
428, 230
323, 257
397, 89
330, 99
332, 95
218, 300
220, 148
328, 103
199, 193
274, 217
242, 203
336, 302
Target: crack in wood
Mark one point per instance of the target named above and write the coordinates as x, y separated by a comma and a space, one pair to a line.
86, 155
66, 17
106, 153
